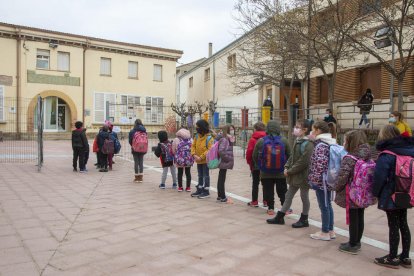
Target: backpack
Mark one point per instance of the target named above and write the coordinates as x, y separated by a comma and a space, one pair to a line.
272, 159
183, 157
213, 159
140, 142
303, 146
336, 153
166, 152
360, 189
117, 144
108, 146
403, 196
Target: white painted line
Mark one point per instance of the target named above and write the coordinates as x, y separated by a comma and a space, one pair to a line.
339, 231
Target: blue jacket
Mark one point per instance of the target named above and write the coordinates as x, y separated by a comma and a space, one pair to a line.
384, 178
132, 133
102, 135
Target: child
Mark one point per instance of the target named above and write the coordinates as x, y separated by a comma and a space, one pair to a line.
103, 157
183, 159
259, 132
79, 146
356, 144
164, 152
296, 172
202, 143
138, 138
270, 179
225, 152
384, 187
319, 167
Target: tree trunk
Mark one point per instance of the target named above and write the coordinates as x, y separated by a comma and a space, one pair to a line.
400, 95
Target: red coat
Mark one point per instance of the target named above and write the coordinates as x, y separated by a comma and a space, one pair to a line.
95, 147
250, 147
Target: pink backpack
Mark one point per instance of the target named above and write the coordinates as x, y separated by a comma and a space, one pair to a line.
140, 142
360, 189
403, 196
213, 160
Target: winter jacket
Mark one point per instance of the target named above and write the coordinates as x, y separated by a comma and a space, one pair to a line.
320, 159
132, 133
404, 128
365, 103
182, 134
79, 140
272, 128
102, 135
384, 178
200, 146
225, 152
346, 174
160, 154
330, 119
297, 165
250, 147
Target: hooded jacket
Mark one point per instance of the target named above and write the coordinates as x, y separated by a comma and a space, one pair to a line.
225, 152
320, 159
346, 174
102, 135
250, 147
272, 128
132, 133
182, 134
297, 165
384, 178
79, 140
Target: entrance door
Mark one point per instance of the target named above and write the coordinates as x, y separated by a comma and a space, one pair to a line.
55, 114
62, 117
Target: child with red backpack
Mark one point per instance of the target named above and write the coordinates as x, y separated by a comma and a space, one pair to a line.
138, 140
270, 154
354, 186
183, 159
395, 192
165, 153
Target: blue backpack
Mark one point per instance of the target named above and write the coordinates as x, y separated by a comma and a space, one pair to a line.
272, 159
117, 144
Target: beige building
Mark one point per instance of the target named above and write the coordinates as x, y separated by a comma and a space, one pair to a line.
81, 78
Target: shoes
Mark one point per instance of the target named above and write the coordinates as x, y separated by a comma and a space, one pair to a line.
405, 262
180, 189
271, 212
359, 126
83, 171
136, 180
321, 236
358, 245
174, 186
204, 194
75, 170
253, 204
367, 125
162, 186
278, 219
223, 200
288, 212
265, 203
188, 189
302, 222
387, 262
332, 235
103, 170
347, 248
140, 178
196, 193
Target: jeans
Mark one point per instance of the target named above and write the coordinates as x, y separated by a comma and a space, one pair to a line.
304, 195
187, 176
138, 162
269, 190
364, 119
327, 214
165, 172
220, 184
397, 223
356, 225
79, 153
203, 177
255, 185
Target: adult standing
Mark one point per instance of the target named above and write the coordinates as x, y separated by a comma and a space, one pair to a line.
138, 140
365, 105
397, 119
268, 102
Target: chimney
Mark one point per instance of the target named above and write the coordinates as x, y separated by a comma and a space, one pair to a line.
210, 49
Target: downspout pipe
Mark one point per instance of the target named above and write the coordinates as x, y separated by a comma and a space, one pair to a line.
18, 82
85, 47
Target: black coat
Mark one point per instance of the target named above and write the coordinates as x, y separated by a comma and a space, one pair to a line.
384, 178
79, 140
102, 135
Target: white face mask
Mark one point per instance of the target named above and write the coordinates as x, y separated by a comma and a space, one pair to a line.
297, 132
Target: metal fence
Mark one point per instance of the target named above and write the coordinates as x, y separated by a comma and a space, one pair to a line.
21, 131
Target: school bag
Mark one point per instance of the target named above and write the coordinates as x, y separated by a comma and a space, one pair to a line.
166, 152
336, 153
117, 144
403, 196
272, 158
183, 157
108, 146
140, 142
360, 188
213, 158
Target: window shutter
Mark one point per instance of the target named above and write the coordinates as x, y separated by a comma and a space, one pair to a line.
105, 66
111, 98
99, 107
132, 69
157, 72
2, 103
63, 61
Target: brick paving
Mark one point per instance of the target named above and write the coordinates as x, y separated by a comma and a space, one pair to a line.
62, 223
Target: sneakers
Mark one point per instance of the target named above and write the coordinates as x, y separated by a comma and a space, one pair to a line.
405, 262
265, 203
332, 235
103, 170
347, 248
188, 189
387, 262
162, 186
196, 193
223, 200
204, 194
253, 204
174, 186
358, 245
271, 212
180, 189
321, 236
83, 171
75, 170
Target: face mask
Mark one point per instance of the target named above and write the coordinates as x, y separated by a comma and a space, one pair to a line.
297, 132
311, 136
199, 130
392, 120
326, 115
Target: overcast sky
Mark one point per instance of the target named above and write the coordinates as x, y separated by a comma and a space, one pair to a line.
187, 25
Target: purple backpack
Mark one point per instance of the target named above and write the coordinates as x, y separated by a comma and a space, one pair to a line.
183, 157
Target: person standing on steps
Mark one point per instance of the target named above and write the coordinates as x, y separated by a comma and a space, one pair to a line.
365, 106
268, 102
329, 118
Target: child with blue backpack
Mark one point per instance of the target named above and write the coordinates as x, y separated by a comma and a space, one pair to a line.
164, 152
270, 154
183, 159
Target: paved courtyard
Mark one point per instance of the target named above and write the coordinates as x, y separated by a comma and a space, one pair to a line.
62, 223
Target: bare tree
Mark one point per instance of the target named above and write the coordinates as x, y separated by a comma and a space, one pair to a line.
181, 111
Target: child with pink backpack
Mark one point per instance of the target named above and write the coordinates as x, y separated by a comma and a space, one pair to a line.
183, 159
354, 187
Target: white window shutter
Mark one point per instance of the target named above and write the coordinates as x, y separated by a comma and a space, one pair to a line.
157, 72
99, 112
111, 98
63, 61
133, 69
2, 103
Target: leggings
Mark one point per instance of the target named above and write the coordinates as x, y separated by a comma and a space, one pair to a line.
304, 195
187, 176
165, 172
138, 162
397, 223
356, 225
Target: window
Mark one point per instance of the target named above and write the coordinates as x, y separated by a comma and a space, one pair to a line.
207, 74
2, 103
157, 72
154, 110
105, 66
132, 69
190, 82
63, 61
104, 106
42, 59
129, 107
231, 62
